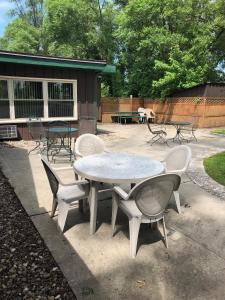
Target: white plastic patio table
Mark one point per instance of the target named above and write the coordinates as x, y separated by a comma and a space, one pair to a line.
114, 168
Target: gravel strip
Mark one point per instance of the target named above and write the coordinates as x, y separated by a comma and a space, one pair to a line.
200, 177
27, 268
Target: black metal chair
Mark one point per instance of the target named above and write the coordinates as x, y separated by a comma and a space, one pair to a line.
38, 134
189, 131
158, 132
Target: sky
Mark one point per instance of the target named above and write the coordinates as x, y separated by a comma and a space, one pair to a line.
5, 5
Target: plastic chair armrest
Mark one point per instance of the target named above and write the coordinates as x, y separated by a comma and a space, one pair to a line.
121, 192
78, 182
62, 168
78, 155
178, 172
106, 151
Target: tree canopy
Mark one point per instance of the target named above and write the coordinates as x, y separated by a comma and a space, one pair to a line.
157, 46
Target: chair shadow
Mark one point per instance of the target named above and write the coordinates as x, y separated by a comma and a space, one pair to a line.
146, 236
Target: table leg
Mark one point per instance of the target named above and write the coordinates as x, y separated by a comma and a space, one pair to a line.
93, 202
177, 136
180, 137
62, 145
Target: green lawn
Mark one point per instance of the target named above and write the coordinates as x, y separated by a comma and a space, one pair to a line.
220, 131
215, 167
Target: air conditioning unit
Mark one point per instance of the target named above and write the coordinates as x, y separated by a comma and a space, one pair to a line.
8, 132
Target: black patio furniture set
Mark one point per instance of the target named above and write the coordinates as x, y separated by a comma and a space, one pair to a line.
55, 138
185, 131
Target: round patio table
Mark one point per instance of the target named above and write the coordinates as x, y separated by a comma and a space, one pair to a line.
62, 130
114, 168
178, 124
62, 133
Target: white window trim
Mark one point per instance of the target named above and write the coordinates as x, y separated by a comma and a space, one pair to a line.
45, 98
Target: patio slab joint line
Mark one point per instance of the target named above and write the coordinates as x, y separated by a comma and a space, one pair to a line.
200, 244
39, 214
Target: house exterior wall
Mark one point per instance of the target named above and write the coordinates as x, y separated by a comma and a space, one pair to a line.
87, 87
203, 90
198, 91
215, 90
87, 92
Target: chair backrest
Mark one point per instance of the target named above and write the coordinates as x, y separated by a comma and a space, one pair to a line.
53, 179
149, 113
153, 194
149, 126
178, 159
141, 111
153, 128
60, 124
36, 129
88, 144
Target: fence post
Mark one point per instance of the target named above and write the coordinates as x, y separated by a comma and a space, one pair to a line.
203, 123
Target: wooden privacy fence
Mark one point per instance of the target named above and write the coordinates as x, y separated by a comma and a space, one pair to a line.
210, 111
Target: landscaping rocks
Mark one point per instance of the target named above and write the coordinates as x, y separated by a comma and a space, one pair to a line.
27, 268
200, 177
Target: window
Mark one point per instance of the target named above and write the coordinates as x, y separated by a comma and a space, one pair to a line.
61, 101
28, 99
4, 100
22, 98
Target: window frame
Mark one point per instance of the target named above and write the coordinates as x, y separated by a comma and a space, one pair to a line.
44, 81
4, 99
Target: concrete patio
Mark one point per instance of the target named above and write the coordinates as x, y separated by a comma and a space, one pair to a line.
99, 266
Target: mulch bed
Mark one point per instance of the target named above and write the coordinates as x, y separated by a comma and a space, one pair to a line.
27, 268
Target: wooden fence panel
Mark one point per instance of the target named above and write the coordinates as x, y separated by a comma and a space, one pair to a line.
210, 111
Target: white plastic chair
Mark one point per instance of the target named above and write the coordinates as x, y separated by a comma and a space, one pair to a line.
88, 144
141, 112
145, 203
149, 114
64, 195
177, 161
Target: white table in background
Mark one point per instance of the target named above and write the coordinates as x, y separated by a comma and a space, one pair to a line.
114, 168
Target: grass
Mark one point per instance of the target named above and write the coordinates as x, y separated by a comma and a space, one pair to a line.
218, 131
215, 167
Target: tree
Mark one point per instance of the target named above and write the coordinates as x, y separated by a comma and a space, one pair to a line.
21, 36
157, 46
25, 32
167, 44
30, 10
70, 28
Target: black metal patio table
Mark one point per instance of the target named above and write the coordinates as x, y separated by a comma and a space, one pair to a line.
178, 124
61, 133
